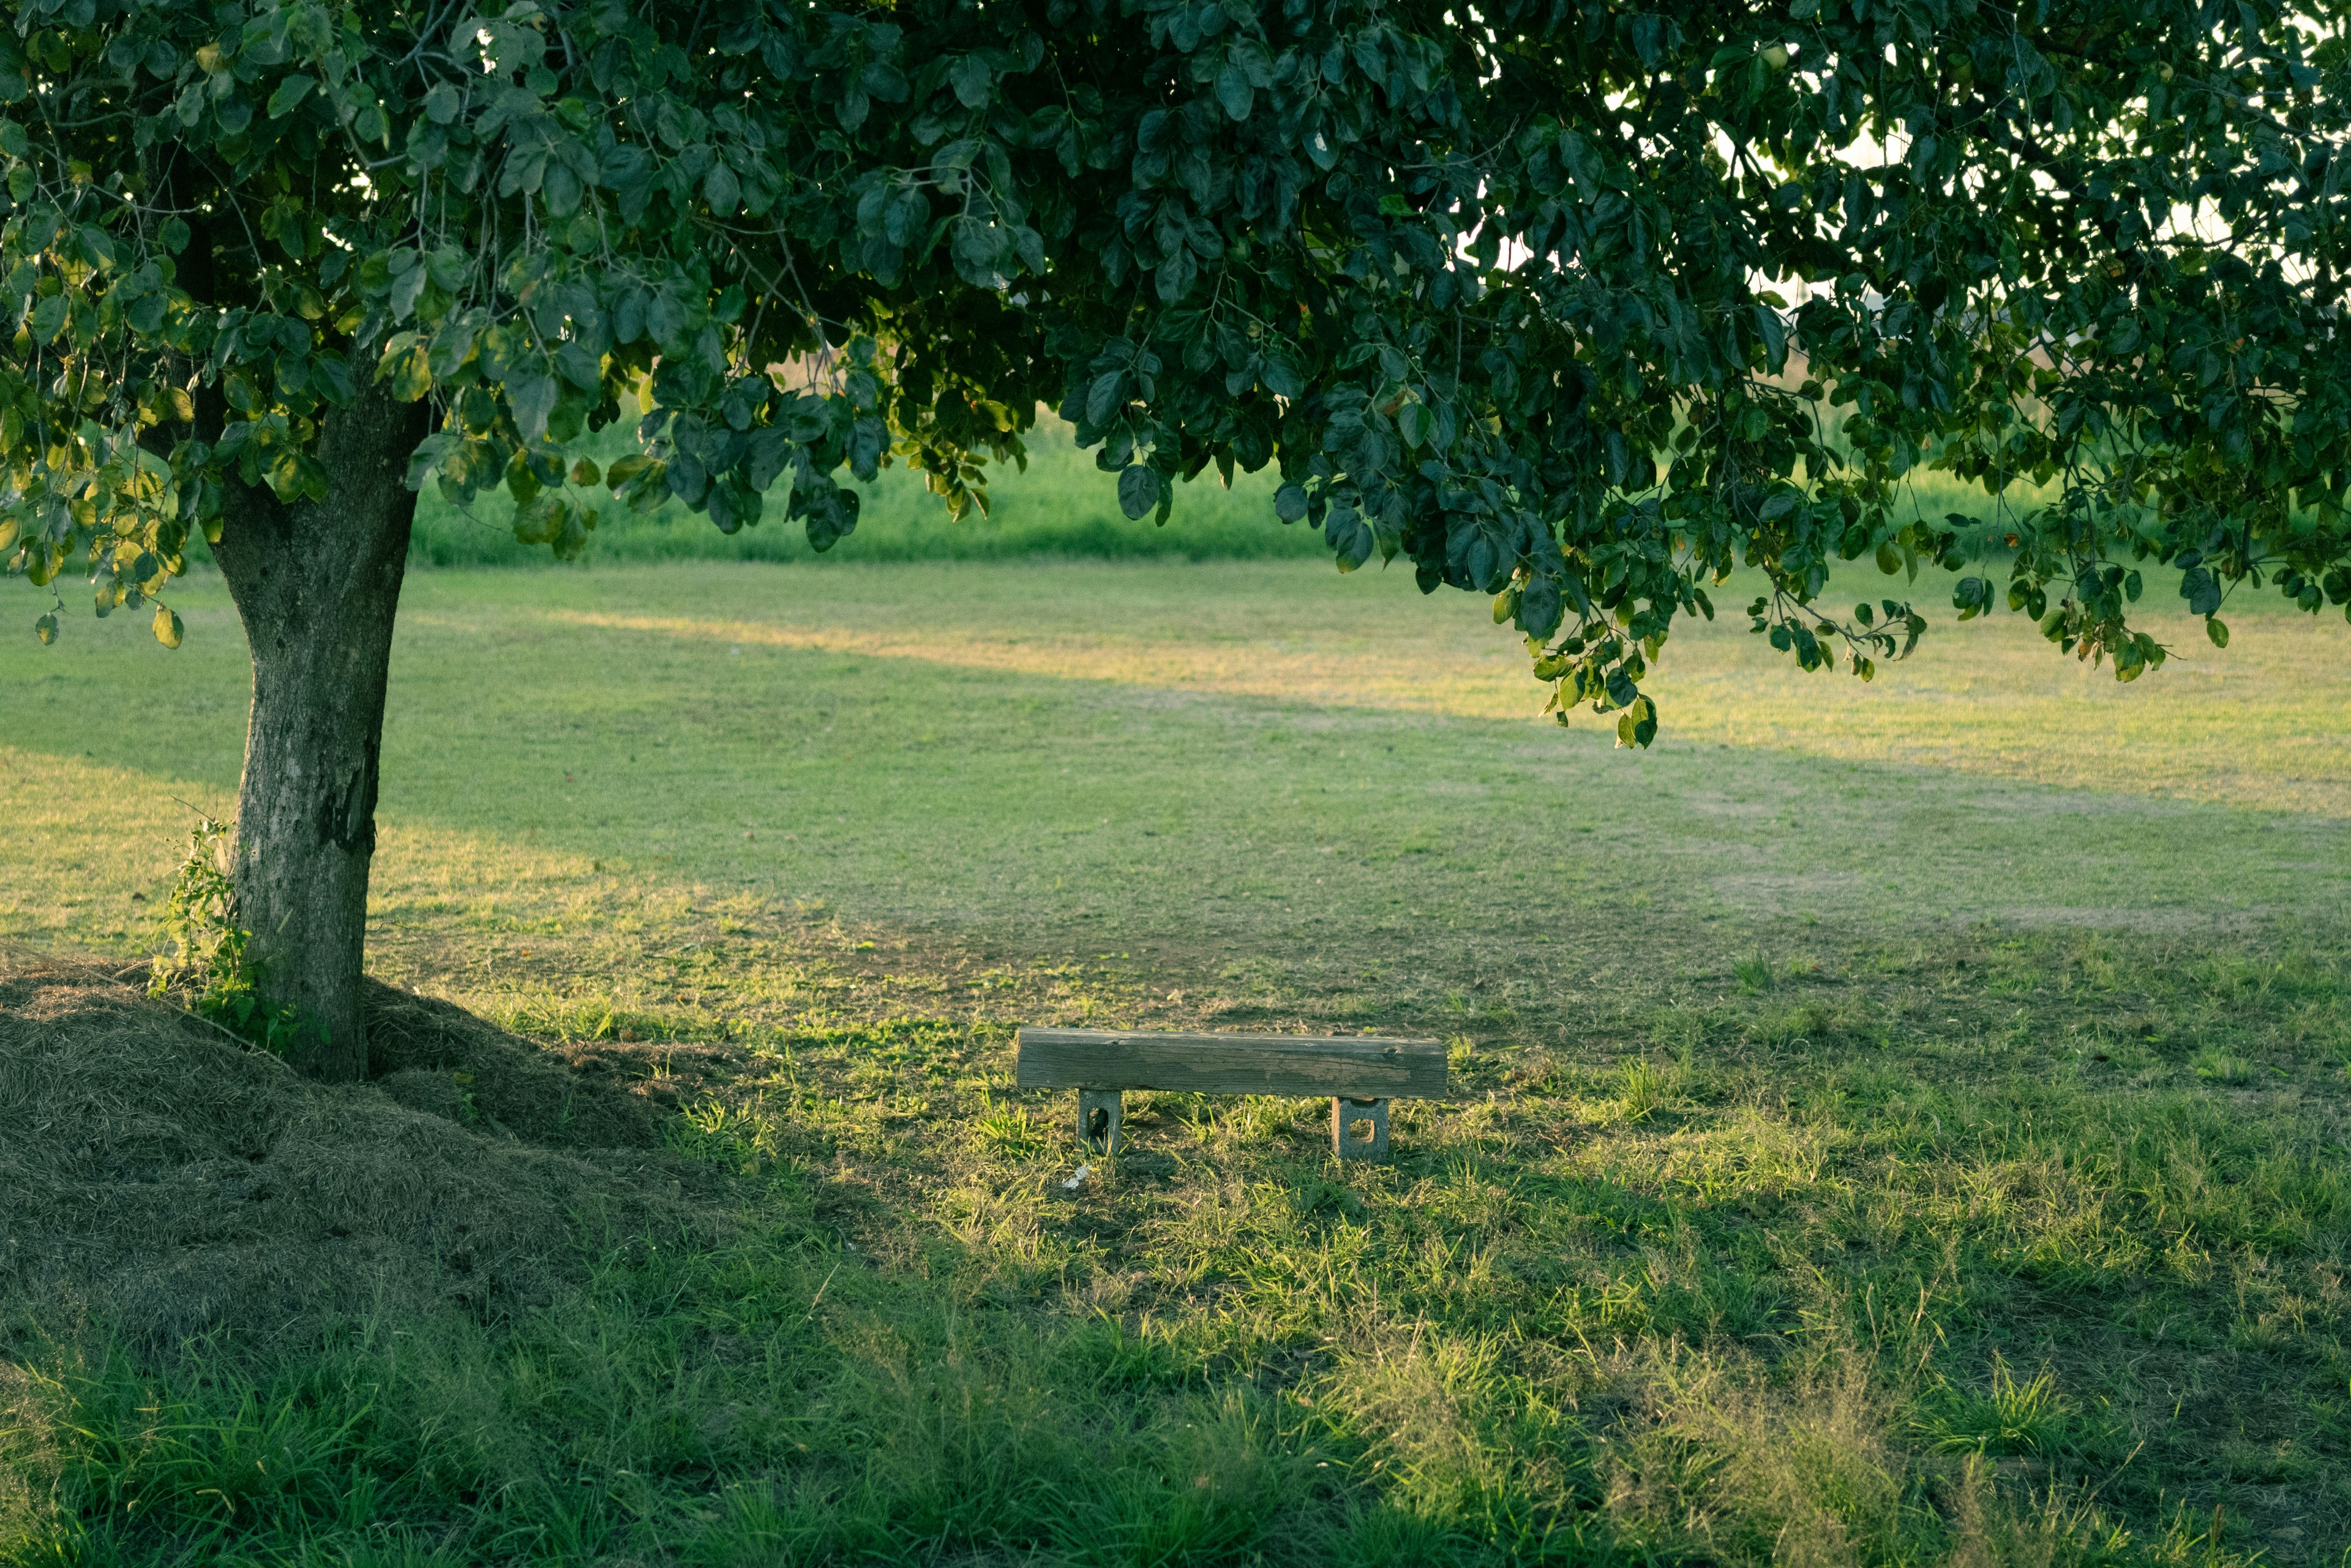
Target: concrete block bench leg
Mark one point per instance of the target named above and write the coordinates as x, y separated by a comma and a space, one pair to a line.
1371, 1115
1101, 1117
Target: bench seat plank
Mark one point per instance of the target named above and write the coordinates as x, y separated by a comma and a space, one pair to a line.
1358, 1065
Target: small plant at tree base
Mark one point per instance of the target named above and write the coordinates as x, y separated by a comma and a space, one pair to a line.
210, 972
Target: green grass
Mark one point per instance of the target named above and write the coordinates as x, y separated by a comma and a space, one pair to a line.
1061, 504
1899, 1125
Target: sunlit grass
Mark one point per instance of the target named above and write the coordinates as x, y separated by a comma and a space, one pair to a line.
1061, 505
1892, 1124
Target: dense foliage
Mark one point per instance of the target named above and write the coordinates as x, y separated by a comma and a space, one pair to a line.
1575, 304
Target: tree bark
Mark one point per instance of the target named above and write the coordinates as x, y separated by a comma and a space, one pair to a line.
317, 585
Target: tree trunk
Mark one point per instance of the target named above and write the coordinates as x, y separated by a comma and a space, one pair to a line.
317, 585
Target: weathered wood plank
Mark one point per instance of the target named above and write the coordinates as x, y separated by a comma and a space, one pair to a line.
1363, 1066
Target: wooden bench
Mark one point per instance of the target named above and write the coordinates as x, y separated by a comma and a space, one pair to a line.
1360, 1073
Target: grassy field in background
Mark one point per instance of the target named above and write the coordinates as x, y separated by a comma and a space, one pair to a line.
1893, 1125
1061, 505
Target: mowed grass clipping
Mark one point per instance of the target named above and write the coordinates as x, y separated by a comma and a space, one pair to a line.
1899, 1125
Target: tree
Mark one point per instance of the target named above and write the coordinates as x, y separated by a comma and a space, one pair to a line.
1578, 305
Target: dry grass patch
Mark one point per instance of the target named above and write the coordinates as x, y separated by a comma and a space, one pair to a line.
164, 1181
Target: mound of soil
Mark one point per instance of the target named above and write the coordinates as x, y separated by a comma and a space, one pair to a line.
157, 1175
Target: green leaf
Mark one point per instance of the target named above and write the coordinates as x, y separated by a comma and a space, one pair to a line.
46, 629
2218, 629
582, 366
48, 318
1416, 423
1138, 490
1174, 278
290, 92
1775, 338
977, 248
722, 189
1102, 398
288, 474
667, 318
868, 439
1541, 607
1233, 91
409, 370
522, 481
532, 399
538, 520
407, 289
970, 79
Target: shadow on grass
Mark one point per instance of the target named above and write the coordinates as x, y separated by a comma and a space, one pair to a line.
1959, 1258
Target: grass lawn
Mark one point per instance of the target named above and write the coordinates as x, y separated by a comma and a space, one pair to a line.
1060, 504
1901, 1123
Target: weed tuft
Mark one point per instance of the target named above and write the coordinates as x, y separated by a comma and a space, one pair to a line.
2007, 1417
209, 969
1011, 1132
1645, 1087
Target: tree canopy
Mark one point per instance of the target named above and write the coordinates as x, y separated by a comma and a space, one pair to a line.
1577, 304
